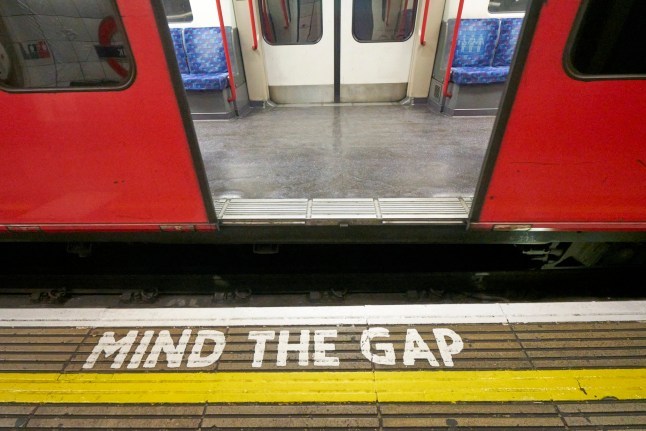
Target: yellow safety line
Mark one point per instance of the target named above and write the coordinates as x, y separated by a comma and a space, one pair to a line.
324, 386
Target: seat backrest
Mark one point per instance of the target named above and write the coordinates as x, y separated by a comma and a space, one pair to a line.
205, 50
509, 31
180, 52
476, 42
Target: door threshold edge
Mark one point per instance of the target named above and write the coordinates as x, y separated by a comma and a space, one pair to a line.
343, 211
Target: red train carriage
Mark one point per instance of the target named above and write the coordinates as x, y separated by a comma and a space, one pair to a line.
99, 139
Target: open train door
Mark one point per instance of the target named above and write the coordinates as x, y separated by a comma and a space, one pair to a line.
93, 137
568, 151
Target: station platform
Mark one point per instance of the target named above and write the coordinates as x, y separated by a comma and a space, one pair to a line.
549, 365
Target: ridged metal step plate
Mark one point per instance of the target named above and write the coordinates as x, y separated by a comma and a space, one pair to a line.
359, 211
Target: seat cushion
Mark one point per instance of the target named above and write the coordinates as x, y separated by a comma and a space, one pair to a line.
205, 50
479, 75
509, 31
476, 42
205, 81
180, 53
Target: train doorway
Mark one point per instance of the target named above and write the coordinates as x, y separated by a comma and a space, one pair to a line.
325, 51
340, 129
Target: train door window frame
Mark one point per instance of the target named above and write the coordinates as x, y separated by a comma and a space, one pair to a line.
62, 48
384, 18
584, 29
507, 6
178, 11
268, 26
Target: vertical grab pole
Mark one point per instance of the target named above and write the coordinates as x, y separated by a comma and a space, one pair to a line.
422, 36
227, 56
253, 26
454, 42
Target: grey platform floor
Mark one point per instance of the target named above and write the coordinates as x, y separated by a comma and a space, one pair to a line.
343, 151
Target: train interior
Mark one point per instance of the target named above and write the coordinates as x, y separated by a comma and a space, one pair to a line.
340, 113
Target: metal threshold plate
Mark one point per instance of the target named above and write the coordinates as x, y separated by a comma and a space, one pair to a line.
356, 211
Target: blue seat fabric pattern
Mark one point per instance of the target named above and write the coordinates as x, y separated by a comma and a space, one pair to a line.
509, 31
205, 81
484, 50
200, 55
479, 75
205, 50
180, 53
476, 42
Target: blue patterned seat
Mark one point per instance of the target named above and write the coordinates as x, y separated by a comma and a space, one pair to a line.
484, 50
205, 81
476, 42
479, 75
509, 31
207, 66
180, 52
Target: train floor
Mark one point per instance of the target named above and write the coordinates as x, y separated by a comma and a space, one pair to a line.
552, 365
297, 154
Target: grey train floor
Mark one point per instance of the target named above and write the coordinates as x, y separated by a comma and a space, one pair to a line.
346, 151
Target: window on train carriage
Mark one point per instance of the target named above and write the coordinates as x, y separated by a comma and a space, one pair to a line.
178, 10
291, 22
609, 40
507, 6
63, 45
383, 20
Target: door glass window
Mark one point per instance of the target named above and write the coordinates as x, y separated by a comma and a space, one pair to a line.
609, 40
62, 44
178, 10
291, 22
507, 6
383, 20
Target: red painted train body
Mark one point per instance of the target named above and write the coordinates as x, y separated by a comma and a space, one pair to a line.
568, 151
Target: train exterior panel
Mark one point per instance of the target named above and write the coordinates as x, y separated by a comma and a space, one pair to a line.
118, 150
96, 156
572, 148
